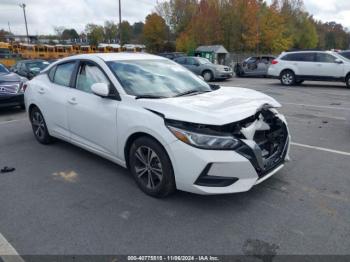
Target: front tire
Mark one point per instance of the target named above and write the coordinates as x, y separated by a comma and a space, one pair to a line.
208, 76
151, 167
39, 127
288, 78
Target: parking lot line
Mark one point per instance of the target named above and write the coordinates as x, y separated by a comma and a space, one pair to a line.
322, 149
317, 106
7, 252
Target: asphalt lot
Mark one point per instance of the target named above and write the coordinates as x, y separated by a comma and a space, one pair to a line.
64, 200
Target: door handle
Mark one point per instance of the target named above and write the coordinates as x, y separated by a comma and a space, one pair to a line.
41, 91
73, 101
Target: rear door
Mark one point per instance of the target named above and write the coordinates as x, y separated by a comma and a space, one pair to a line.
92, 119
305, 63
193, 65
327, 66
53, 97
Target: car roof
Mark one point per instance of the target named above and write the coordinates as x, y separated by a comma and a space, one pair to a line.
116, 56
32, 60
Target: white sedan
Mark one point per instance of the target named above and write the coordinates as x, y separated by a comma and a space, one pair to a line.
153, 116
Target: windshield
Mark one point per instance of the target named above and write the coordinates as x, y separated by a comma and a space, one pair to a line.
3, 70
37, 66
345, 54
203, 61
157, 78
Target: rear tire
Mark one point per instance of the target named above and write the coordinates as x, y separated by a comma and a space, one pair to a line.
288, 78
347, 81
151, 167
39, 127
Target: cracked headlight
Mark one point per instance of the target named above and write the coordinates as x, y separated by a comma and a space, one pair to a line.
205, 141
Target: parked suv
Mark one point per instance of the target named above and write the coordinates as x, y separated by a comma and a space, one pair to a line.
295, 67
202, 66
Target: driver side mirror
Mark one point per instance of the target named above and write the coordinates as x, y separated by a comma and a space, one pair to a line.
338, 61
100, 89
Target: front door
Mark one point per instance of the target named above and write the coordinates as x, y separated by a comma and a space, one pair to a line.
327, 66
92, 119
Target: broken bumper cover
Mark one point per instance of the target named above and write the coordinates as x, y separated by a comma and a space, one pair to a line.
228, 171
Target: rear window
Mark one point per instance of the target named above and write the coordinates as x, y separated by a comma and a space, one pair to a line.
64, 73
299, 57
325, 58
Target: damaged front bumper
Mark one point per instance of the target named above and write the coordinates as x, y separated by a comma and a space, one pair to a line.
263, 152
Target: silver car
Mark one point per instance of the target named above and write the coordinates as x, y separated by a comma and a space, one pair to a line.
203, 67
254, 66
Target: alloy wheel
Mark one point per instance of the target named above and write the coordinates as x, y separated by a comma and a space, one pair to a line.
38, 125
287, 78
207, 76
148, 167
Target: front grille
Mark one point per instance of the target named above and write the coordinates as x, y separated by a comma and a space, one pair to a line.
9, 87
271, 146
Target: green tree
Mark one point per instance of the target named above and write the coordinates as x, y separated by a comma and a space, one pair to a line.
69, 34
126, 32
137, 31
177, 13
95, 33
110, 31
154, 33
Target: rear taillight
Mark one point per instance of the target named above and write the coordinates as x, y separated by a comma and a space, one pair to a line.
274, 62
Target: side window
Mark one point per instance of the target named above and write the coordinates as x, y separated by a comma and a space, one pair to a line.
52, 73
88, 75
300, 57
181, 60
23, 67
325, 58
64, 73
191, 61
307, 57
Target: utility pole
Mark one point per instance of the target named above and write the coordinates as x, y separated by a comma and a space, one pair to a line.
23, 6
120, 23
8, 23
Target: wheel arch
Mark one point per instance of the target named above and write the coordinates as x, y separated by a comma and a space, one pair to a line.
287, 69
207, 70
31, 107
130, 140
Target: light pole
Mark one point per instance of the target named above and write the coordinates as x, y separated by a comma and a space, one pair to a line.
120, 23
23, 6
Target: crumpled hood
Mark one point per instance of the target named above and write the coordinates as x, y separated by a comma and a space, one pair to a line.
220, 107
10, 77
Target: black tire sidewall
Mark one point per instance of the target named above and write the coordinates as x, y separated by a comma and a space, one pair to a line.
167, 185
347, 81
47, 139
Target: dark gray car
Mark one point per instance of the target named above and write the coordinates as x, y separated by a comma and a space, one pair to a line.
203, 67
29, 68
11, 88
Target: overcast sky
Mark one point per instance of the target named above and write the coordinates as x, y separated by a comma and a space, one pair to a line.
43, 15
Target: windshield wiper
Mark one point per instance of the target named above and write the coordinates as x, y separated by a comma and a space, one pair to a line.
190, 92
149, 97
